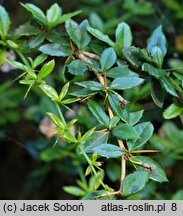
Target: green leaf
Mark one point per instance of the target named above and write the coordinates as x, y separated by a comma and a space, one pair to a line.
3, 54
64, 91
87, 135
63, 18
91, 85
157, 56
113, 122
76, 191
31, 72
157, 93
16, 64
123, 36
69, 100
167, 84
36, 12
173, 111
83, 93
133, 56
96, 21
56, 120
135, 117
154, 169
124, 131
4, 22
77, 67
95, 140
121, 71
122, 83
35, 41
46, 69
55, 49
157, 39
27, 82
145, 131
26, 30
98, 112
53, 13
38, 60
98, 34
93, 195
121, 112
49, 91
153, 71
134, 182
108, 150
108, 58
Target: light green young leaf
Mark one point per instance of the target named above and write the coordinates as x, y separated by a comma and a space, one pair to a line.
36, 12
154, 169
46, 69
53, 13
134, 182
124, 131
122, 83
56, 120
38, 60
49, 91
98, 112
145, 131
76, 191
108, 150
64, 91
108, 58
98, 34
87, 135
173, 111
4, 22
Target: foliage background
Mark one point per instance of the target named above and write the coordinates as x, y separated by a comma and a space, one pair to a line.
24, 173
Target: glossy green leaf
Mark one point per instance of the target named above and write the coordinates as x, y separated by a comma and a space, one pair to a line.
49, 91
77, 67
123, 36
145, 131
135, 117
64, 91
31, 72
108, 150
98, 112
91, 85
121, 71
55, 49
53, 13
56, 120
39, 59
113, 122
36, 12
4, 22
157, 93
133, 56
134, 182
76, 191
157, 39
150, 166
122, 83
87, 135
26, 30
16, 64
95, 140
121, 112
153, 71
27, 82
124, 131
46, 69
64, 18
173, 111
69, 100
98, 34
35, 41
108, 58
167, 84
83, 93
